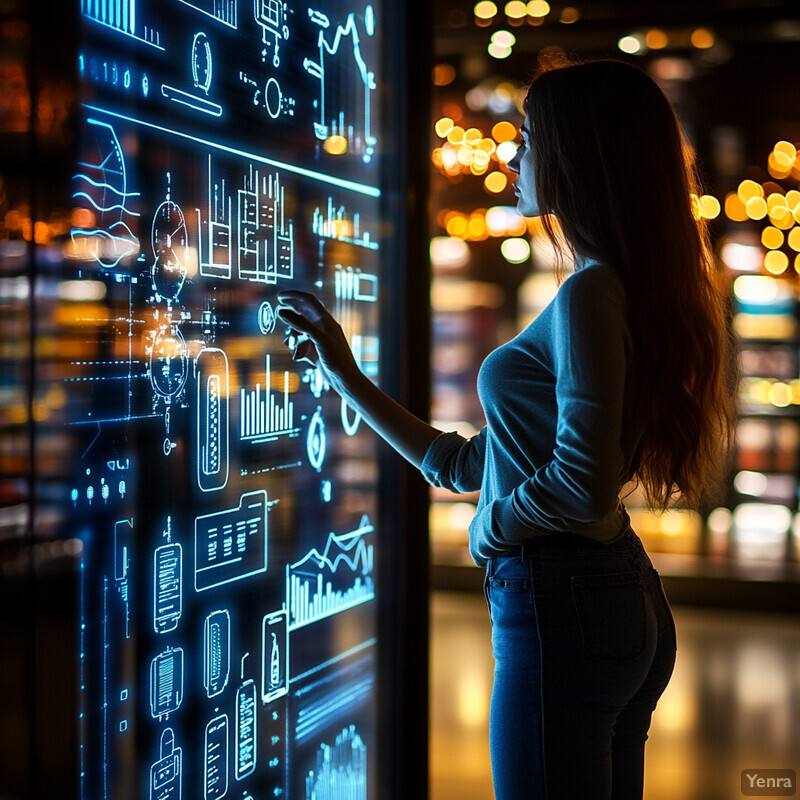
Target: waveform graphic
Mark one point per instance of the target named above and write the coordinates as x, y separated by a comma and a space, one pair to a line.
341, 770
323, 584
343, 110
263, 418
101, 186
333, 223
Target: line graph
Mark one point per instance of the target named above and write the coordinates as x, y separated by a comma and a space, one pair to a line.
325, 583
101, 186
342, 110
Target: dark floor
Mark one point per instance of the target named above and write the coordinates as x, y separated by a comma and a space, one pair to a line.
733, 702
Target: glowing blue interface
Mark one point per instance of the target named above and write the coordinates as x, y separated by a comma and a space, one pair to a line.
226, 498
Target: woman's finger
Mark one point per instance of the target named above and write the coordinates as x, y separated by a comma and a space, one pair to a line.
297, 320
303, 303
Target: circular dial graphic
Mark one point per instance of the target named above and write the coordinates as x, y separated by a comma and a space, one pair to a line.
168, 362
201, 62
169, 240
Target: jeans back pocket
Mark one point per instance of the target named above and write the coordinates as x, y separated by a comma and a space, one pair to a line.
612, 614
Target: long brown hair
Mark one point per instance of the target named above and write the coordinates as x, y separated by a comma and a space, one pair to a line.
614, 170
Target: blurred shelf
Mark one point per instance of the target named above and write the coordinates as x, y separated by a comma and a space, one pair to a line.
688, 580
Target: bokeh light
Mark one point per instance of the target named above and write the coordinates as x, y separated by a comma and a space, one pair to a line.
702, 38
515, 9
771, 238
485, 9
776, 262
515, 250
538, 8
444, 126
756, 208
630, 44
495, 182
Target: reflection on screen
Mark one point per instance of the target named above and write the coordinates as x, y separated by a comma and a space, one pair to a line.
226, 497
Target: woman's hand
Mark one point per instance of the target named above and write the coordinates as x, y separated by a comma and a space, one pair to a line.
325, 346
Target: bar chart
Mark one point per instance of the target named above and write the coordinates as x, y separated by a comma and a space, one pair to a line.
264, 414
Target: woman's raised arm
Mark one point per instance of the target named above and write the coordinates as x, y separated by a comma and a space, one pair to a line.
322, 343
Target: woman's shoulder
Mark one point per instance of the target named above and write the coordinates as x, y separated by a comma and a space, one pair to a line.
595, 283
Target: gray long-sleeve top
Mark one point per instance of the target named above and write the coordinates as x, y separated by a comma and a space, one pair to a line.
561, 426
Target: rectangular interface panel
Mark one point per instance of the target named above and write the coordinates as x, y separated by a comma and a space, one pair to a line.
227, 498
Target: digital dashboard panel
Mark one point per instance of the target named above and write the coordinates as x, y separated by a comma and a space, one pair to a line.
225, 497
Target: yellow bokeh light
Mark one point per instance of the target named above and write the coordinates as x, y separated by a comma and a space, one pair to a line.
443, 74
485, 9
756, 208
444, 126
793, 239
472, 136
748, 189
538, 8
504, 39
797, 263
780, 394
335, 145
455, 135
457, 226
481, 158
478, 169
477, 227
495, 182
656, 39
465, 156
771, 238
515, 9
776, 168
775, 201
776, 262
504, 132
487, 146
709, 206
782, 218
702, 38
786, 149
792, 199
734, 208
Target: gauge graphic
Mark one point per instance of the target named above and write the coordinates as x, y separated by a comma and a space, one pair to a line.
201, 62
169, 240
168, 362
267, 319
315, 442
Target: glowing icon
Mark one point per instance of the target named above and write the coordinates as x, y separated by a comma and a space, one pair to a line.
325, 583
232, 544
245, 739
167, 587
267, 319
215, 763
352, 288
212, 419
326, 491
165, 774
166, 682
271, 16
274, 656
315, 441
216, 651
123, 536
271, 97
202, 70
316, 381
101, 184
349, 423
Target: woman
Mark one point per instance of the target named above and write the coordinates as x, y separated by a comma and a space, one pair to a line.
621, 377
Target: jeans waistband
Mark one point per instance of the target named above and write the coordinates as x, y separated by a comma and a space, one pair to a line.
565, 543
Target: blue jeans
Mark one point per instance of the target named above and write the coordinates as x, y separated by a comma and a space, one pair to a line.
584, 645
